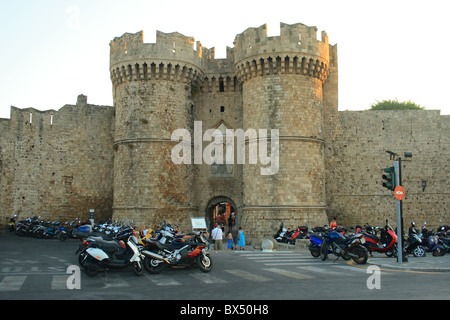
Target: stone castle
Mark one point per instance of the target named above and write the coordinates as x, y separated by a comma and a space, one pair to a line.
117, 159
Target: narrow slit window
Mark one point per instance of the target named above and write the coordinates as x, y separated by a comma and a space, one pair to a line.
221, 86
31, 117
173, 50
222, 109
300, 38
51, 119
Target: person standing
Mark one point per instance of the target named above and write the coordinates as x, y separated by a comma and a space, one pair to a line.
230, 242
333, 223
216, 235
234, 233
241, 237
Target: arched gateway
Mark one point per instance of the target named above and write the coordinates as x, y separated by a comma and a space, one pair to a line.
219, 210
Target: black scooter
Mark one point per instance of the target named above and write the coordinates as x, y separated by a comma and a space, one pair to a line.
415, 242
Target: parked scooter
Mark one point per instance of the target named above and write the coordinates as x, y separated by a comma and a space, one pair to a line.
445, 242
281, 235
103, 255
386, 243
12, 223
415, 242
430, 241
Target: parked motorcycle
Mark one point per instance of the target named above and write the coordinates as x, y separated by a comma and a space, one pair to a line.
345, 247
188, 250
414, 242
386, 243
281, 235
430, 241
12, 223
104, 255
315, 243
445, 242
300, 233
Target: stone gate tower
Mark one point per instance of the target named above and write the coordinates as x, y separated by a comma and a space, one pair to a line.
151, 85
283, 80
264, 83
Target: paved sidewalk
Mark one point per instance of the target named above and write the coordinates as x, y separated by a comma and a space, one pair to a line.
429, 263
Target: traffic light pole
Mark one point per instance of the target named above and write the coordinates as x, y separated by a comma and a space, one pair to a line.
399, 209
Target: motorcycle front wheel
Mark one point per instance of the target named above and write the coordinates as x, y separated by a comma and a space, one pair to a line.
419, 252
138, 268
315, 251
204, 262
91, 268
361, 253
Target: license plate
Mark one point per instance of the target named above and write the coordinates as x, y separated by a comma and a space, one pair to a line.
363, 240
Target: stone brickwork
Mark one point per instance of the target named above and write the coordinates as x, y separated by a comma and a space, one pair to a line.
59, 164
357, 157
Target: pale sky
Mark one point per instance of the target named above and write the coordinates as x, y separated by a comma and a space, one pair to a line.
52, 51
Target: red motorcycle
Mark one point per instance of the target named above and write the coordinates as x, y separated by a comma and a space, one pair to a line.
188, 250
386, 243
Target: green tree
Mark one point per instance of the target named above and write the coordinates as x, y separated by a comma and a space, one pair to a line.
395, 105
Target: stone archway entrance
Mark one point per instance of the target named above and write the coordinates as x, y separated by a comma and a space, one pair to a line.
219, 210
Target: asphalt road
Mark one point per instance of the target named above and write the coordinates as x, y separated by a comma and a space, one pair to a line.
38, 269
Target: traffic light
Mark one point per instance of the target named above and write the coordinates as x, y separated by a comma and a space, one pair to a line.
389, 177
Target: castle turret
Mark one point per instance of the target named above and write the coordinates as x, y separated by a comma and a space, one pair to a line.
151, 89
283, 77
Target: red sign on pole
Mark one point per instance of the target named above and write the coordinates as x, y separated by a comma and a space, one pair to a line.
399, 193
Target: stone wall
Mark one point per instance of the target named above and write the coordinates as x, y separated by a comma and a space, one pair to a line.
357, 156
57, 164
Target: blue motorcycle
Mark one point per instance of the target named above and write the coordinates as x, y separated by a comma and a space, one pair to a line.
346, 247
430, 242
315, 243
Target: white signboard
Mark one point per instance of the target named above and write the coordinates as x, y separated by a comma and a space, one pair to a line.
198, 223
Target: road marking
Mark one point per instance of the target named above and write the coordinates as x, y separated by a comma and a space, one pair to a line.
114, 281
354, 268
281, 263
324, 271
247, 275
279, 257
12, 283
12, 269
162, 280
207, 278
59, 282
288, 273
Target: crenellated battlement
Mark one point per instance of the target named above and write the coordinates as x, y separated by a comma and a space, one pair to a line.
295, 51
173, 56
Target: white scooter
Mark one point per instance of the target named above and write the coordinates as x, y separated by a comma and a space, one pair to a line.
104, 255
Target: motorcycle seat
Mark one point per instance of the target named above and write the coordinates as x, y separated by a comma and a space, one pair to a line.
109, 246
317, 236
371, 236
